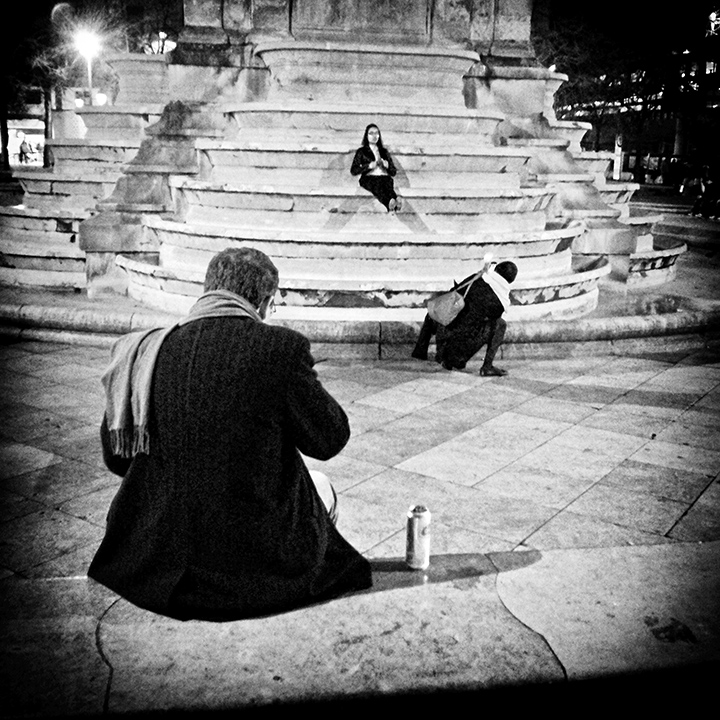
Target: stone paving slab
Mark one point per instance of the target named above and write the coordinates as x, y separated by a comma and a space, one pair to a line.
569, 491
469, 623
443, 629
617, 610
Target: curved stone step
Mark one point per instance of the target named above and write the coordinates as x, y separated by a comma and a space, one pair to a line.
365, 255
374, 261
597, 163
53, 261
63, 279
40, 220
121, 122
50, 190
655, 266
617, 194
80, 155
349, 120
340, 177
329, 163
368, 216
201, 198
523, 241
569, 295
537, 142
20, 244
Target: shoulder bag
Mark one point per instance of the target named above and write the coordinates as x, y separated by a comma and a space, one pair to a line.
444, 308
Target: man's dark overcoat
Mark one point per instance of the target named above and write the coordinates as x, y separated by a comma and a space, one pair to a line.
222, 520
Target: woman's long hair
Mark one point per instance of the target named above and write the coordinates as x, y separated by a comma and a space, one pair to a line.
365, 142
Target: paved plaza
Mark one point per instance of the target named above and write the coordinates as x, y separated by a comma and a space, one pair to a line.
576, 537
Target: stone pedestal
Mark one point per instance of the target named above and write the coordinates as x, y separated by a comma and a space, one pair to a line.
214, 29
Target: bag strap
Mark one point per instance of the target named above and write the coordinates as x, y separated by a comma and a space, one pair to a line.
469, 283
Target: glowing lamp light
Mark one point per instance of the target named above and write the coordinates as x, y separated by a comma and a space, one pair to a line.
162, 45
88, 45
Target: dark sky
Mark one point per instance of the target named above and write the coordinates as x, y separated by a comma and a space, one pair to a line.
641, 21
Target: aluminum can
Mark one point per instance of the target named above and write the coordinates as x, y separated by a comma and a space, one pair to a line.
417, 554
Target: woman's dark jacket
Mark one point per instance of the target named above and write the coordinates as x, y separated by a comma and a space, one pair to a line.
222, 520
364, 156
482, 307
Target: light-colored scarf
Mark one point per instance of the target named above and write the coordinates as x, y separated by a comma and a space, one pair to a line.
128, 378
499, 285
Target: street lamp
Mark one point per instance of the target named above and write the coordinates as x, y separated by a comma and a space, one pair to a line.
88, 45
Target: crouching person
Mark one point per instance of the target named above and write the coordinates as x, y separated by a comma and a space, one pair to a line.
478, 324
217, 516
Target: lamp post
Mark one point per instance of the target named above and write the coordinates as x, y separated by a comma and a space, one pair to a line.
88, 45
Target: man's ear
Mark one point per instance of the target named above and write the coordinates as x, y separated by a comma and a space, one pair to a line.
264, 305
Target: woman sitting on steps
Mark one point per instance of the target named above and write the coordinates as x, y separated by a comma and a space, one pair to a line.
376, 169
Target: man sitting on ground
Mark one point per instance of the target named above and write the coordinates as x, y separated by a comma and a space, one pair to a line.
217, 516
479, 323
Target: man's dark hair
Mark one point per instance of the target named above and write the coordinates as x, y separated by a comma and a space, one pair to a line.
507, 269
245, 271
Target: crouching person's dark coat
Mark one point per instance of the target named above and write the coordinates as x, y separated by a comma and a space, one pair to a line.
221, 519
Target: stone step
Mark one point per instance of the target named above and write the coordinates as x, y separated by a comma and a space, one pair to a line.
51, 191
550, 238
555, 178
649, 267
366, 257
369, 217
596, 163
341, 178
537, 143
63, 246
64, 279
203, 199
79, 156
50, 262
353, 270
474, 148
329, 163
348, 121
314, 151
617, 194
114, 122
38, 220
571, 294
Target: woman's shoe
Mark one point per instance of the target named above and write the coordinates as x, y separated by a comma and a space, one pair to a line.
392, 205
398, 203
492, 371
